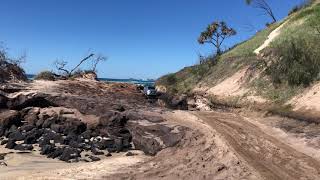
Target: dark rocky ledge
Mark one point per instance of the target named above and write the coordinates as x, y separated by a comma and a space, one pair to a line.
83, 122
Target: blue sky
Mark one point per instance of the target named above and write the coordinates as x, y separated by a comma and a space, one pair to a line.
141, 38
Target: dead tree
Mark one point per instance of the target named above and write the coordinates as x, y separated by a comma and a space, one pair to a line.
97, 60
60, 65
263, 6
82, 61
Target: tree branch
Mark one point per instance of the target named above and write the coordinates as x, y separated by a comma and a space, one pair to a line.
83, 60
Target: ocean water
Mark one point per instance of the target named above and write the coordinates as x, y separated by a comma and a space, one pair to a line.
131, 80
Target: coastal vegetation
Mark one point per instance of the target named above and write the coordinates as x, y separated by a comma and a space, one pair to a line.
288, 64
45, 75
71, 73
174, 130
10, 67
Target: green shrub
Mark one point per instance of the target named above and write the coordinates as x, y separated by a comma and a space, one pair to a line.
45, 75
298, 62
171, 79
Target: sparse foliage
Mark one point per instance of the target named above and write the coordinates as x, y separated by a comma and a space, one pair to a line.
46, 75
215, 34
16, 61
10, 69
264, 7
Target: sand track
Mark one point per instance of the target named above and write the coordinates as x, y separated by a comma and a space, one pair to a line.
270, 158
227, 146
219, 145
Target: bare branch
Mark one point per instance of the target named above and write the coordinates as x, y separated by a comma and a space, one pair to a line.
60, 66
82, 61
97, 60
19, 60
264, 6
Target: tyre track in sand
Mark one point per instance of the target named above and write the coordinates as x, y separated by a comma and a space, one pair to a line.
270, 157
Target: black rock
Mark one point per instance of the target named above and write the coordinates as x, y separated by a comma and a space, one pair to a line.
105, 144
130, 154
70, 137
69, 153
94, 158
37, 133
86, 147
58, 139
87, 134
74, 144
43, 142
95, 151
17, 136
27, 128
3, 101
2, 156
23, 147
47, 149
51, 135
2, 131
12, 129
119, 144
108, 155
56, 153
30, 139
39, 123
57, 128
11, 144
4, 142
74, 126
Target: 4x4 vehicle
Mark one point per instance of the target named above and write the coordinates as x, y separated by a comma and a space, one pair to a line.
150, 91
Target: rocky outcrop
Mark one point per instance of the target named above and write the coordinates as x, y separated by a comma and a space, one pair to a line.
61, 134
3, 101
22, 101
9, 118
173, 101
63, 127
